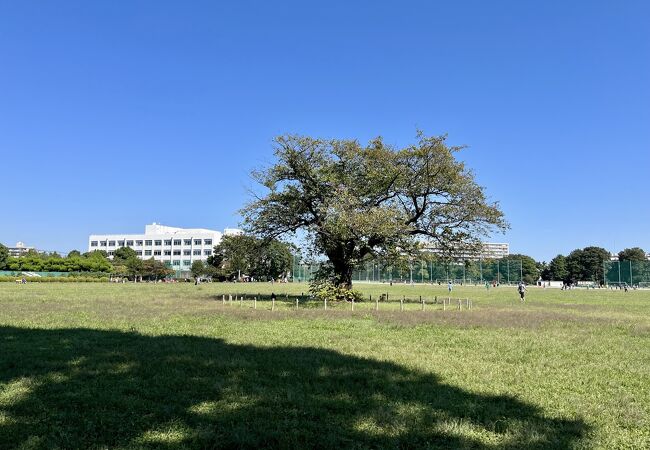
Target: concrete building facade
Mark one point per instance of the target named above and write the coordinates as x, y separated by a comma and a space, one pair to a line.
176, 247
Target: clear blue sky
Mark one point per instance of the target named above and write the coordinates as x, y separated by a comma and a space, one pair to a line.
114, 114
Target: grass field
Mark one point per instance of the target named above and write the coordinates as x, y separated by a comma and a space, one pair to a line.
170, 366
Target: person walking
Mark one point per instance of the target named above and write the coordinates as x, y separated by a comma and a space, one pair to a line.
450, 287
522, 291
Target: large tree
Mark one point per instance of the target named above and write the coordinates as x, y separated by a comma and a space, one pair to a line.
244, 254
352, 201
586, 264
632, 254
557, 269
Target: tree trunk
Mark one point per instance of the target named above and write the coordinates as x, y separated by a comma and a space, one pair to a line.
342, 265
343, 274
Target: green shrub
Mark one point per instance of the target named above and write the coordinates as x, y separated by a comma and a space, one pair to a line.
325, 289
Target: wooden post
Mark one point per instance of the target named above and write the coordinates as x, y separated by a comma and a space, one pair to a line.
467, 302
229, 298
435, 299
444, 304
241, 301
423, 301
325, 302
223, 299
296, 303
273, 303
254, 302
460, 305
401, 303
352, 303
376, 303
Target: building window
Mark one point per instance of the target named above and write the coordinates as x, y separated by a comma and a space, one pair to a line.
120, 243
187, 262
148, 242
207, 252
177, 242
168, 252
197, 252
139, 243
157, 252
207, 241
197, 241
138, 252
187, 242
177, 252
102, 243
187, 252
157, 242
177, 262
111, 253
168, 242
93, 243
129, 243
147, 253
111, 243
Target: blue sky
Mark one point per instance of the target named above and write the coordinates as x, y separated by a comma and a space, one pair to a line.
114, 114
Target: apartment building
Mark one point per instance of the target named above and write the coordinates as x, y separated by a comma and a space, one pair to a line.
489, 250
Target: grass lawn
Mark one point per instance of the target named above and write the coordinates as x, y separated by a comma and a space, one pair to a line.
172, 366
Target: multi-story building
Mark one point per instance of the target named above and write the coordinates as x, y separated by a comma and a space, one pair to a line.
19, 249
176, 247
489, 250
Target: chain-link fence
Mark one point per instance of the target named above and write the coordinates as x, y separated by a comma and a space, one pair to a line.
632, 273
505, 271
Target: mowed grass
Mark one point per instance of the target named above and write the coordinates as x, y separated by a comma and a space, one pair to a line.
172, 366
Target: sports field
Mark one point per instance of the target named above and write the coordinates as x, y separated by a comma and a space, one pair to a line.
172, 366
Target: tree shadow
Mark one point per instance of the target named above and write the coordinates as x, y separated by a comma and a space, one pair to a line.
81, 388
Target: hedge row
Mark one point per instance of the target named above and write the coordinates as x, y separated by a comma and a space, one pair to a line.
57, 279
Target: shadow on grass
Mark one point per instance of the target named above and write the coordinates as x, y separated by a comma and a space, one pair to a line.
80, 388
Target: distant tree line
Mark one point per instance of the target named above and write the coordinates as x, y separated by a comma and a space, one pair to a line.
263, 259
586, 264
125, 263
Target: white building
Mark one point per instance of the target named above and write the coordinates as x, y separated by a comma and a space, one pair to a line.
19, 249
177, 247
489, 250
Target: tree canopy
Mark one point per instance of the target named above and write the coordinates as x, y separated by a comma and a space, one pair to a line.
632, 254
251, 256
586, 264
351, 200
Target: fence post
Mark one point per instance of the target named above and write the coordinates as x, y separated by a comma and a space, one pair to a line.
296, 303
254, 302
376, 303
229, 298
325, 302
401, 303
444, 304
223, 299
467, 301
272, 302
460, 305
352, 303
241, 300
422, 301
